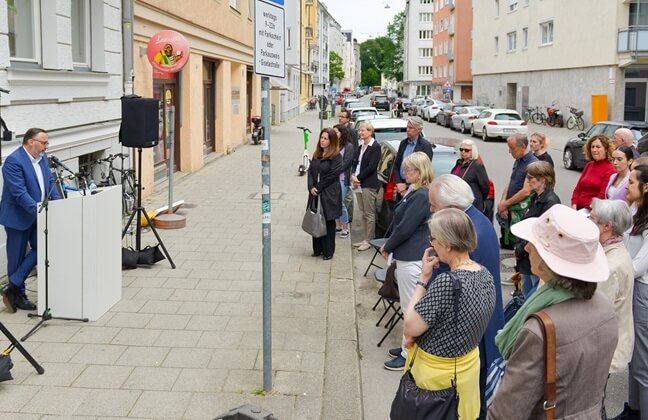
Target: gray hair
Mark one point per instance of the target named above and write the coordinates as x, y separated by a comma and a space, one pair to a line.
416, 122
521, 140
473, 146
626, 135
615, 212
454, 229
452, 191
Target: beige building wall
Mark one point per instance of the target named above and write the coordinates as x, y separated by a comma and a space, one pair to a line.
216, 32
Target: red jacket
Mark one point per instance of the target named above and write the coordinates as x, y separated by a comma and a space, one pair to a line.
592, 183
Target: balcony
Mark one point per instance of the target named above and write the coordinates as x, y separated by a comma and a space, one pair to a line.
451, 4
451, 55
633, 40
451, 29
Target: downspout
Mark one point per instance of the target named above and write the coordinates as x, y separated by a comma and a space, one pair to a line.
127, 46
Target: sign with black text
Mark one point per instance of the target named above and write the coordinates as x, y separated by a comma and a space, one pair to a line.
269, 39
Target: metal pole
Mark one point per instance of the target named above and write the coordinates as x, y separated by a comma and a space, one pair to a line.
172, 154
266, 229
127, 45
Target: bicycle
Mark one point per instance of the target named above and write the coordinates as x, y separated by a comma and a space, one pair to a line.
126, 176
575, 119
303, 168
537, 116
526, 113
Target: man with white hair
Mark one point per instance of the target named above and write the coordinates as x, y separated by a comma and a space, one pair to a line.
451, 191
624, 137
414, 142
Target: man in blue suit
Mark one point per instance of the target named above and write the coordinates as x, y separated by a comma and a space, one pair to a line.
26, 182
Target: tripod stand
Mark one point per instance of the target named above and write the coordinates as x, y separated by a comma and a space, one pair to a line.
140, 211
47, 313
16, 344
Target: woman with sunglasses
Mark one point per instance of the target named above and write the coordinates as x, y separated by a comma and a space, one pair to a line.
470, 168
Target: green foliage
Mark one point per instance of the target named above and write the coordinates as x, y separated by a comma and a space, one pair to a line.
384, 54
370, 77
336, 71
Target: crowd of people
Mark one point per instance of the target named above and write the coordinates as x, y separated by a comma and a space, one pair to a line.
585, 265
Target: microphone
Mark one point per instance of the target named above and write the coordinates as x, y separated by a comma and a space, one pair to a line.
57, 162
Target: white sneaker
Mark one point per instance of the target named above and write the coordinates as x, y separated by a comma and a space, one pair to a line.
365, 246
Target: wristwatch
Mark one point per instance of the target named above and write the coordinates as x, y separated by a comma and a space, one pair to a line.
420, 283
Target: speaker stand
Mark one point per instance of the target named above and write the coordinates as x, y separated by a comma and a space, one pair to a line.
140, 211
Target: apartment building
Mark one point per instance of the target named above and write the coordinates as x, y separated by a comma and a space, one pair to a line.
351, 60
531, 52
215, 93
285, 92
336, 45
61, 62
417, 58
308, 45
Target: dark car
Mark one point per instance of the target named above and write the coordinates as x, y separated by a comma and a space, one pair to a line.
573, 155
444, 117
440, 116
444, 159
381, 102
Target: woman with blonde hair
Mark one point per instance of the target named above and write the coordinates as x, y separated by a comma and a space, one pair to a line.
409, 237
470, 168
365, 182
539, 143
441, 342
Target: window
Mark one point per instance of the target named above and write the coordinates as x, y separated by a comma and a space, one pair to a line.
425, 34
80, 22
513, 5
496, 45
546, 32
638, 13
424, 70
425, 17
23, 33
496, 8
525, 38
445, 24
234, 4
426, 1
424, 52
511, 38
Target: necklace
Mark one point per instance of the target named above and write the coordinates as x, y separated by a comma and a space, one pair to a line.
462, 264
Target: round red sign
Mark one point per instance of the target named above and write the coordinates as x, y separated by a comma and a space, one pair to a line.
168, 51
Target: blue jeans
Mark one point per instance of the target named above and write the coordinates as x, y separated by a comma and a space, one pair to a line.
344, 219
529, 284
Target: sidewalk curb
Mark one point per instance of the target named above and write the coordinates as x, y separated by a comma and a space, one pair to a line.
342, 394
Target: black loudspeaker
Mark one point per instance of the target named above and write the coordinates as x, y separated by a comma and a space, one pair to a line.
140, 122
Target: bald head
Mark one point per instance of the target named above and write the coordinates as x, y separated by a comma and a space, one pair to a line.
623, 137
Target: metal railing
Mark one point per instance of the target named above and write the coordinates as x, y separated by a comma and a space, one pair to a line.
633, 40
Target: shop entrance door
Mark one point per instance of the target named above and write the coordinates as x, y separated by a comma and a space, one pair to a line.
165, 91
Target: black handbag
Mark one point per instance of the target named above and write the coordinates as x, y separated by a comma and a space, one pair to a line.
150, 255
414, 403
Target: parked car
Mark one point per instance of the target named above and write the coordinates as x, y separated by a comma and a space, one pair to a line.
573, 155
430, 111
464, 117
416, 102
445, 118
446, 107
423, 105
443, 161
370, 118
355, 105
365, 110
348, 100
407, 104
494, 123
381, 102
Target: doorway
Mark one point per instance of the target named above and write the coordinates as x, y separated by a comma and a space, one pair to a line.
165, 90
511, 95
209, 106
634, 108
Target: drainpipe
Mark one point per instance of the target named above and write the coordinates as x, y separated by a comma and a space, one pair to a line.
127, 45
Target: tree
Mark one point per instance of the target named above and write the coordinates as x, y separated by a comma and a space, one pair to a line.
385, 54
336, 71
396, 33
370, 77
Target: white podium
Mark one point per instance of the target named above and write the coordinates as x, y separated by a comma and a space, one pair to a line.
84, 252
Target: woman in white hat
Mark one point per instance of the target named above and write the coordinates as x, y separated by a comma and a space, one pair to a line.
565, 253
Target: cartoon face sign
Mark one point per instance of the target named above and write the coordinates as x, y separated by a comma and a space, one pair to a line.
168, 51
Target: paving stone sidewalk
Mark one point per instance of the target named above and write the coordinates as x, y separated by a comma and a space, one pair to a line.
187, 342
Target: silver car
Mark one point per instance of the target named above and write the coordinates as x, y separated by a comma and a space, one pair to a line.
464, 117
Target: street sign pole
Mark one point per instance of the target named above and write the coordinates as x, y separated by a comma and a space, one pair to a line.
269, 60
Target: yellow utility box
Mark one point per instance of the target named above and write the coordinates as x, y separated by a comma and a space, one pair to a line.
599, 108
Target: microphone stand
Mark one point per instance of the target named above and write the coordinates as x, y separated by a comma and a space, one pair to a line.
47, 313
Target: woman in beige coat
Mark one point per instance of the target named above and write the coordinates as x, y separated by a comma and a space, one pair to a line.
565, 253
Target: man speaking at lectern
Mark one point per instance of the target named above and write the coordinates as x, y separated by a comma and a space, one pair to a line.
26, 182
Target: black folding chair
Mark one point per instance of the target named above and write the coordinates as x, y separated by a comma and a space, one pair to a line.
376, 244
390, 298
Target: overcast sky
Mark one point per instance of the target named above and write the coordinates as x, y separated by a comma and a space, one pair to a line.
367, 18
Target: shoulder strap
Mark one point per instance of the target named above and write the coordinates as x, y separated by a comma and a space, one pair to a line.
549, 334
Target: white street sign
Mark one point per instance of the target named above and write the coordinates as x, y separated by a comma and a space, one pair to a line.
269, 40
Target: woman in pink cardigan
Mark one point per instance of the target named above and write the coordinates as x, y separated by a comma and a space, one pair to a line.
617, 187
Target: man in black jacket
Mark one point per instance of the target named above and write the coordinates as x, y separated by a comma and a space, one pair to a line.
345, 119
413, 143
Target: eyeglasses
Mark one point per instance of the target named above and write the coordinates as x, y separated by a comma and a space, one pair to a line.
44, 143
465, 150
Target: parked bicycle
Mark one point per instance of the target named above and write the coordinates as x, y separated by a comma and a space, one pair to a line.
554, 116
537, 116
575, 119
126, 177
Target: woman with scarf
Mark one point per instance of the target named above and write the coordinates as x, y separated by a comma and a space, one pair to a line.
565, 253
470, 168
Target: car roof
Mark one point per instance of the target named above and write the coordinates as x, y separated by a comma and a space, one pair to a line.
441, 148
639, 124
388, 123
364, 108
502, 111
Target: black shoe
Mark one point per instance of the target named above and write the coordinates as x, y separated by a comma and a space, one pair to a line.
9, 295
25, 304
327, 257
319, 254
628, 414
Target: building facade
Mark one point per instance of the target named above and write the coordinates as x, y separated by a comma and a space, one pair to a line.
336, 45
308, 45
417, 59
61, 62
351, 60
286, 90
525, 53
215, 93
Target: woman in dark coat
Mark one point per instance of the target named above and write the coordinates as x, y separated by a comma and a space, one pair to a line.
470, 168
347, 153
541, 178
324, 185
